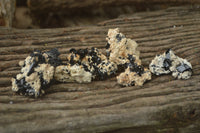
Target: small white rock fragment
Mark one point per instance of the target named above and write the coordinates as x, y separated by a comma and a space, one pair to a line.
168, 62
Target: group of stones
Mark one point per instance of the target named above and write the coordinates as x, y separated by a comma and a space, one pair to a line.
85, 65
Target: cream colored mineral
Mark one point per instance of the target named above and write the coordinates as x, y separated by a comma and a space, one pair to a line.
129, 78
75, 73
120, 47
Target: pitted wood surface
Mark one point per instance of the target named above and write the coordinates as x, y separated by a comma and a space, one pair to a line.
161, 105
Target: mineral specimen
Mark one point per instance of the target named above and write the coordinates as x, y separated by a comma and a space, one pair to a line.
123, 52
93, 61
168, 62
134, 75
119, 48
36, 73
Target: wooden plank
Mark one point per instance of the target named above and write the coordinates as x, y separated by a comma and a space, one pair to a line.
161, 105
7, 10
57, 5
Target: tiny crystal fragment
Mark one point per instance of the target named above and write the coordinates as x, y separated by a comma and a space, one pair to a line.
168, 62
37, 71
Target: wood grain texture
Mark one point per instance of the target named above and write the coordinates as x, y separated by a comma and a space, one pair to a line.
7, 10
57, 5
161, 105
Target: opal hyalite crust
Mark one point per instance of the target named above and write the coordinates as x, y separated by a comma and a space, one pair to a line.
168, 62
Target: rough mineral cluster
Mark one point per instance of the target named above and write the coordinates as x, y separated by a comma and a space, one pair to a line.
37, 71
90, 64
85, 65
123, 51
168, 62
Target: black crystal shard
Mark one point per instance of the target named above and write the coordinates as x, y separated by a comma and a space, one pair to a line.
136, 68
72, 62
108, 54
92, 52
42, 81
166, 64
23, 87
132, 83
82, 53
85, 67
53, 53
72, 50
167, 54
183, 67
96, 59
38, 54
107, 45
54, 60
119, 37
89, 60
31, 68
131, 58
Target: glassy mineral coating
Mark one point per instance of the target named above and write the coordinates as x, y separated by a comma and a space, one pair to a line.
168, 62
37, 71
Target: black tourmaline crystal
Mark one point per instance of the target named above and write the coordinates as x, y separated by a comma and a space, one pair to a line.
183, 67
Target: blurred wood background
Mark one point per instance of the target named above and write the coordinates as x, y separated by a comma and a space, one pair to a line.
162, 105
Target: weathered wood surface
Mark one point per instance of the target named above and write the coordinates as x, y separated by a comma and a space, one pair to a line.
161, 105
7, 10
57, 5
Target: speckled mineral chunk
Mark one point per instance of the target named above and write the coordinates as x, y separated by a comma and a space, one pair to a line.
123, 52
119, 47
168, 62
74, 73
134, 75
93, 61
36, 73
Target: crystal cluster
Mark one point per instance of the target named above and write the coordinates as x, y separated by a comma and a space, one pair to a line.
168, 62
123, 52
37, 71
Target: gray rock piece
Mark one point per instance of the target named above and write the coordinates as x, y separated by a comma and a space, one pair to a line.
168, 62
